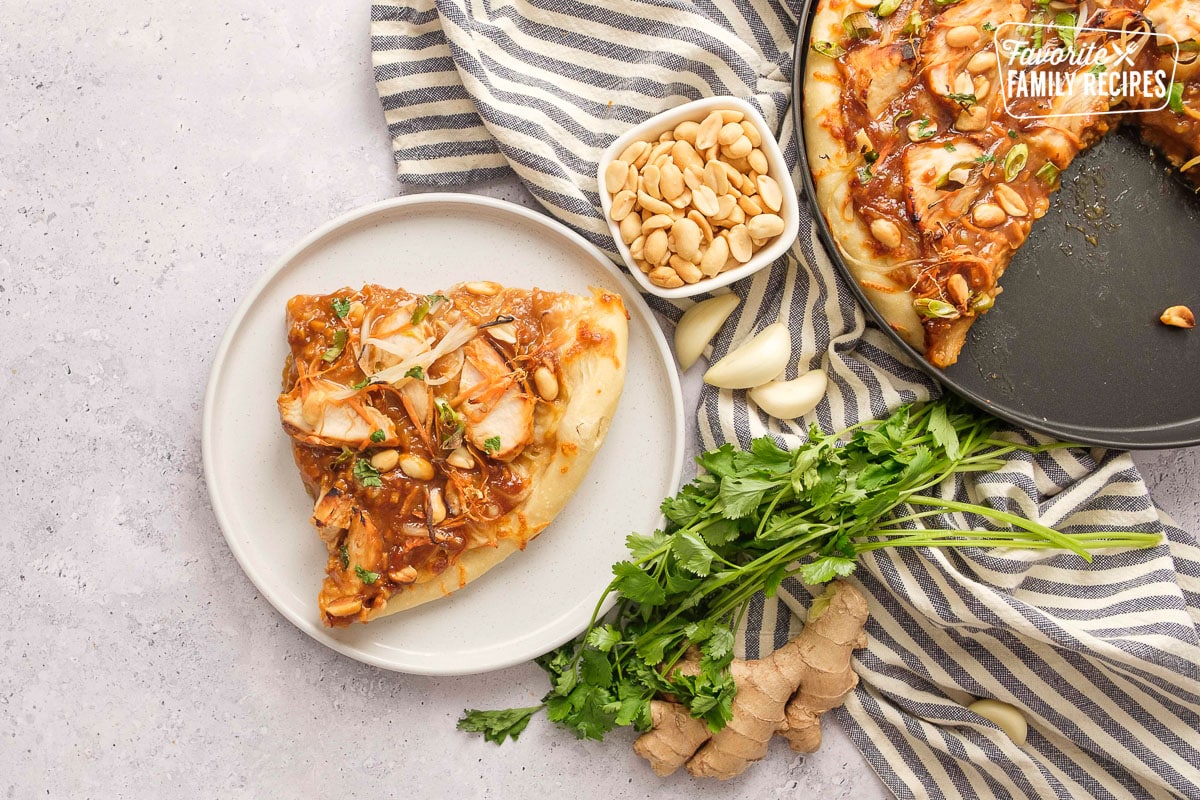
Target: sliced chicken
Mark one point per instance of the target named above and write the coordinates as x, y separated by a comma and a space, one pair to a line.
939, 182
322, 412
498, 412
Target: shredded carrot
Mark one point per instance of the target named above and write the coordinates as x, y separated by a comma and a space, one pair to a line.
416, 420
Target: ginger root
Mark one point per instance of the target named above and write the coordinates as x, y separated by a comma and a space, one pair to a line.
785, 692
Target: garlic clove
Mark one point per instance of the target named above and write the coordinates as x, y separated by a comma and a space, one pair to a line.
755, 361
699, 324
791, 399
1005, 716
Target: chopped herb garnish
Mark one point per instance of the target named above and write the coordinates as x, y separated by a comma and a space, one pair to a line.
1065, 23
339, 344
864, 174
365, 474
870, 156
378, 436
424, 306
829, 49
986, 158
1175, 97
343, 457
1012, 134
963, 99
344, 553
364, 383
1048, 173
491, 444
925, 129
887, 8
341, 307
1098, 67
913, 26
935, 309
366, 576
949, 147
989, 26
451, 423
417, 372
1014, 162
859, 25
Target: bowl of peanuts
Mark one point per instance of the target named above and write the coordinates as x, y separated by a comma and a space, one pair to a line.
698, 197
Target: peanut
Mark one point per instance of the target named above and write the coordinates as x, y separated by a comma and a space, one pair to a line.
962, 36
696, 201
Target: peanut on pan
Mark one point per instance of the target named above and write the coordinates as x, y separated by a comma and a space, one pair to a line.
698, 201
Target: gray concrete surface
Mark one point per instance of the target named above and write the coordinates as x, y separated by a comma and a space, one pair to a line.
157, 157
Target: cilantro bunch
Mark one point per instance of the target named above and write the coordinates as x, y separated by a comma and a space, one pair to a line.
749, 521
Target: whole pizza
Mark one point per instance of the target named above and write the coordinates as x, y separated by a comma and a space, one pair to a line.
438, 434
931, 170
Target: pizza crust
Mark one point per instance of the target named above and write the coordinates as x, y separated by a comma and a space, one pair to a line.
833, 168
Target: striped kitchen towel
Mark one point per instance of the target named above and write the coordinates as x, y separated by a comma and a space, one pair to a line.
1102, 657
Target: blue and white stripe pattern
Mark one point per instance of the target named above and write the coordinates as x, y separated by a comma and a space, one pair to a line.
1104, 658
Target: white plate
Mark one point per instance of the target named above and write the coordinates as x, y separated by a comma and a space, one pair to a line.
537, 599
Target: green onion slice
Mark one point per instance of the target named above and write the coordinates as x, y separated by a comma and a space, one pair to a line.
887, 8
1048, 173
859, 25
1014, 162
829, 49
1175, 97
935, 309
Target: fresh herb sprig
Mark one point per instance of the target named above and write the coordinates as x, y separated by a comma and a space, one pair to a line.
751, 520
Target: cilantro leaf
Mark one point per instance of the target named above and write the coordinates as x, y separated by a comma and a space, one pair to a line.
417, 372
826, 569
741, 495
339, 344
491, 444
642, 547
365, 474
691, 553
378, 436
636, 585
603, 638
344, 556
497, 726
366, 576
594, 667
943, 431
341, 307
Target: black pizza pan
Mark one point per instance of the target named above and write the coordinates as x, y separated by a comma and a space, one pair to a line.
1074, 348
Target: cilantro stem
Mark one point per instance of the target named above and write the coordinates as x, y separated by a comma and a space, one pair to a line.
1003, 516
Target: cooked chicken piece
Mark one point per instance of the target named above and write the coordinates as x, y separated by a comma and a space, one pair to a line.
331, 514
939, 182
321, 412
498, 412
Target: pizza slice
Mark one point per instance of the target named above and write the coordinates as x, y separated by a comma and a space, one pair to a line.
927, 179
438, 434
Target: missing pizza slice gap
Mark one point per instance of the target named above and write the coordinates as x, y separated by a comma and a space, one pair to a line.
929, 181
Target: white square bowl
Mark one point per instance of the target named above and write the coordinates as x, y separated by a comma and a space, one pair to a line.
697, 110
